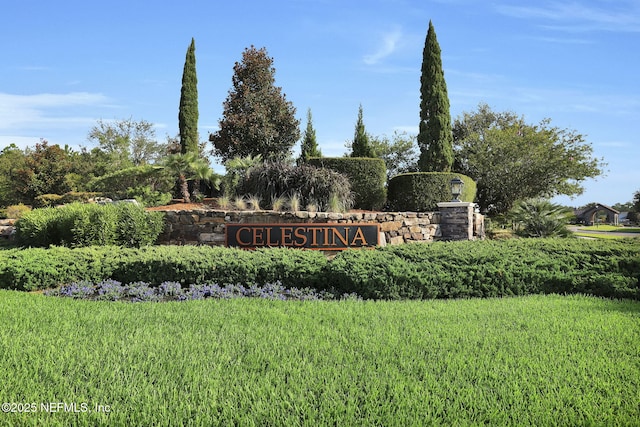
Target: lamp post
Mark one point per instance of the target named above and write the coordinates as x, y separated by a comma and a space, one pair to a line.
456, 188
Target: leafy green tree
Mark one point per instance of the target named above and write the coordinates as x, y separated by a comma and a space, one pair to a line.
187, 167
127, 142
257, 118
623, 207
434, 138
12, 159
399, 153
188, 112
361, 147
512, 161
636, 201
541, 218
309, 147
44, 172
634, 211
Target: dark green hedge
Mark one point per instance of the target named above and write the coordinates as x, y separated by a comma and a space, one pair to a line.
418, 271
492, 269
367, 177
422, 191
37, 268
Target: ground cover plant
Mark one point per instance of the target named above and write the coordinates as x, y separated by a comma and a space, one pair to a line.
537, 360
610, 228
112, 290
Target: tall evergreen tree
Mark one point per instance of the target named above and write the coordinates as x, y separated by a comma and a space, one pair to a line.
361, 146
435, 137
188, 112
257, 118
309, 146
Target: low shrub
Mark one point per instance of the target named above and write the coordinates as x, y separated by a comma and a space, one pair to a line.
37, 268
79, 224
438, 270
366, 175
422, 191
117, 185
47, 200
111, 290
16, 211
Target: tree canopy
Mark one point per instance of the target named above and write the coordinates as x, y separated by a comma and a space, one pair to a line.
512, 161
434, 137
127, 142
398, 152
257, 118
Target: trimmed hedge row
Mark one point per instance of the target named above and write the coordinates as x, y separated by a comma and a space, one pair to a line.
367, 177
492, 269
422, 191
37, 268
436, 270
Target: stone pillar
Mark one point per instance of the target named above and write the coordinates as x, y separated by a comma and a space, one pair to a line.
456, 220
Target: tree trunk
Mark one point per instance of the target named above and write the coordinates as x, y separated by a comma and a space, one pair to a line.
184, 189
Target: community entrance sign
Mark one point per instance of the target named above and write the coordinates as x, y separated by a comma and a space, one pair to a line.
324, 237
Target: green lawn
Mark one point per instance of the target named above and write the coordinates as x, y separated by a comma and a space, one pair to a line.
611, 228
599, 236
538, 360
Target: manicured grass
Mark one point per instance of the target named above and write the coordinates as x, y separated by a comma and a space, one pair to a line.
612, 228
537, 360
602, 236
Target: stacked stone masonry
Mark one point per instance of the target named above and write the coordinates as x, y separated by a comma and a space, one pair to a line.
208, 226
198, 227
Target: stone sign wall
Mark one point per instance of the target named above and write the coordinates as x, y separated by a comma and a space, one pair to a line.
208, 226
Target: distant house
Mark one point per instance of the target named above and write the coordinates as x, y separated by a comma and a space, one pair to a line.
587, 215
623, 218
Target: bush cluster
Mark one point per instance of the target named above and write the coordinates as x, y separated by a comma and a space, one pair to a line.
80, 224
14, 211
38, 268
419, 271
146, 181
312, 185
422, 191
367, 176
48, 200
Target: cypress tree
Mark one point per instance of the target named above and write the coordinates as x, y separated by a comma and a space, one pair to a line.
309, 146
435, 137
361, 146
188, 112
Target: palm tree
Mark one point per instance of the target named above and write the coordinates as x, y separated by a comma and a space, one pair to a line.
541, 218
187, 167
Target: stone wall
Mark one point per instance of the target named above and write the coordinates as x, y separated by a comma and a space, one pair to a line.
208, 226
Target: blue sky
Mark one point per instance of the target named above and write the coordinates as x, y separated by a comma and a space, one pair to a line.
67, 64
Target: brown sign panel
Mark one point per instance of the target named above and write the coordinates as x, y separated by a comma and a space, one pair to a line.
324, 237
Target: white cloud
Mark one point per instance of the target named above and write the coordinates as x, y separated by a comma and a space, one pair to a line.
32, 111
389, 45
621, 16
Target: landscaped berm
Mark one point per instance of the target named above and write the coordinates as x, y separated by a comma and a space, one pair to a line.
125, 312
232, 337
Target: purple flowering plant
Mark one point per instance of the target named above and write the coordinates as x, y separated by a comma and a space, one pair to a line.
112, 290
